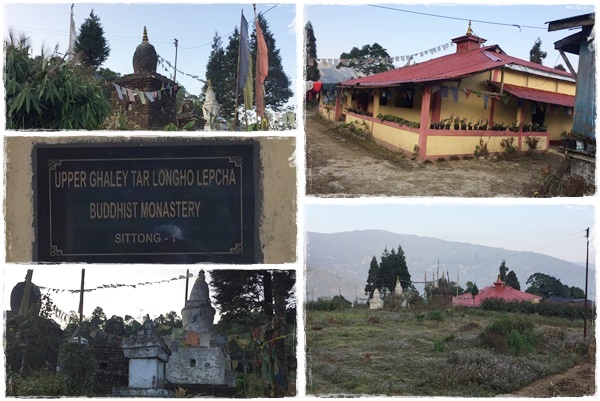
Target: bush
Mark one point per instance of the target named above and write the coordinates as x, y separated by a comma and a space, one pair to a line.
323, 304
436, 315
439, 346
542, 308
78, 365
521, 343
509, 334
38, 384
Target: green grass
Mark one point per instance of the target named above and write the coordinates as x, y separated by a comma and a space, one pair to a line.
437, 354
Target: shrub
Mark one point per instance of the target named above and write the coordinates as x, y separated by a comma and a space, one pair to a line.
38, 384
521, 343
497, 334
439, 346
78, 365
436, 315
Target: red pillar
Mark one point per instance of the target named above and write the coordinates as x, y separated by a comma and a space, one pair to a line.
424, 127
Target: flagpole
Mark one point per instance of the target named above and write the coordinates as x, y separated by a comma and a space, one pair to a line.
237, 80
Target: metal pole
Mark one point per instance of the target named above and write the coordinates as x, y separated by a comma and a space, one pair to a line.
587, 236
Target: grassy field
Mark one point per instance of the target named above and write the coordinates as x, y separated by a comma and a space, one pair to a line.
434, 353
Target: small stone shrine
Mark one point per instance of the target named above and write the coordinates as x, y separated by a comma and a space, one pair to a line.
148, 355
441, 295
210, 108
376, 302
146, 97
199, 356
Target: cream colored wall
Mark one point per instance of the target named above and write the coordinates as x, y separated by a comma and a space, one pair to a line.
558, 122
471, 107
396, 137
360, 123
538, 82
463, 145
277, 194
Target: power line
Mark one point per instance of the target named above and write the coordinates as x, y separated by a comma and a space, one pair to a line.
456, 18
229, 34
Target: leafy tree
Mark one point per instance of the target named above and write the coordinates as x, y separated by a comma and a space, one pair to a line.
456, 289
536, 54
90, 46
512, 280
503, 271
277, 83
108, 75
98, 317
257, 297
546, 286
370, 59
576, 292
560, 67
469, 285
46, 93
312, 71
78, 364
372, 278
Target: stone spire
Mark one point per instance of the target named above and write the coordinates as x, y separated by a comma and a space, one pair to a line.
198, 314
145, 57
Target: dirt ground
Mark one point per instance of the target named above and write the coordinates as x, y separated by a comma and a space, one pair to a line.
343, 165
575, 382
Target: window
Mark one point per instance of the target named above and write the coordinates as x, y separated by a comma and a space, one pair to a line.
403, 97
192, 363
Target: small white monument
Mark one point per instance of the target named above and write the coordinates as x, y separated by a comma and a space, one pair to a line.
376, 302
211, 108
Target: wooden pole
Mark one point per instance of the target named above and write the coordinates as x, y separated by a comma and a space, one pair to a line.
237, 80
175, 73
187, 283
585, 307
81, 305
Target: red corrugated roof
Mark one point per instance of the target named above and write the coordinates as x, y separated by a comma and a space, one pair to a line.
538, 95
452, 66
498, 291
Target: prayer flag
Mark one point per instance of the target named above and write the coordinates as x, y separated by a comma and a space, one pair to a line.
262, 69
72, 36
244, 54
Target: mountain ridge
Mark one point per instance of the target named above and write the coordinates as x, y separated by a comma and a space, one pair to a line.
338, 263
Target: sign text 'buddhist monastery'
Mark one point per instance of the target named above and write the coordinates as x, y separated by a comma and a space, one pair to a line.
147, 204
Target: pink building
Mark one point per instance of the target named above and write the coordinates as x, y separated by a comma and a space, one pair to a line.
498, 291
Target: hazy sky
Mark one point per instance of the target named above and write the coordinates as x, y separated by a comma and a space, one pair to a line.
193, 24
404, 29
555, 230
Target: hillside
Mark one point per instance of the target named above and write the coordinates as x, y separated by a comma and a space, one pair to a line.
338, 263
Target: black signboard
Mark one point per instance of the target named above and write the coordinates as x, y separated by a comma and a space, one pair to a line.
185, 203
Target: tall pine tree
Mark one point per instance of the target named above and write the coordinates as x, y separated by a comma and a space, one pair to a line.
90, 46
277, 83
312, 71
372, 278
230, 76
215, 68
503, 269
392, 267
536, 54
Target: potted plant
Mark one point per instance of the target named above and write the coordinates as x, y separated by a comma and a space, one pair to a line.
527, 127
463, 123
456, 122
515, 126
580, 140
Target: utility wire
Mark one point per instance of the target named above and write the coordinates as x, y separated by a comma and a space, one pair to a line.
229, 34
456, 18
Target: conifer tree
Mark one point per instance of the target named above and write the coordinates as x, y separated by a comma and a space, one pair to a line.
230, 77
512, 280
372, 278
90, 46
312, 71
536, 54
215, 69
503, 269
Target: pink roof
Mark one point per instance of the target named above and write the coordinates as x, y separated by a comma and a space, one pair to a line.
498, 291
452, 66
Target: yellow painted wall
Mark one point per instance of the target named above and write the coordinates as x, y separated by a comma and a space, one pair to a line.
558, 122
471, 107
459, 145
359, 122
538, 82
396, 137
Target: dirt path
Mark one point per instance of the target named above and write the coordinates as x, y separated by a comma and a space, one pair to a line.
342, 165
575, 382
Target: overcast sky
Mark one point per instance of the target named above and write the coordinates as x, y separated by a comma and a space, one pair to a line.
193, 24
405, 29
555, 230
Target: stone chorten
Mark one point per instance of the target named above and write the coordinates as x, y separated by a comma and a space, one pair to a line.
147, 97
198, 314
145, 57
